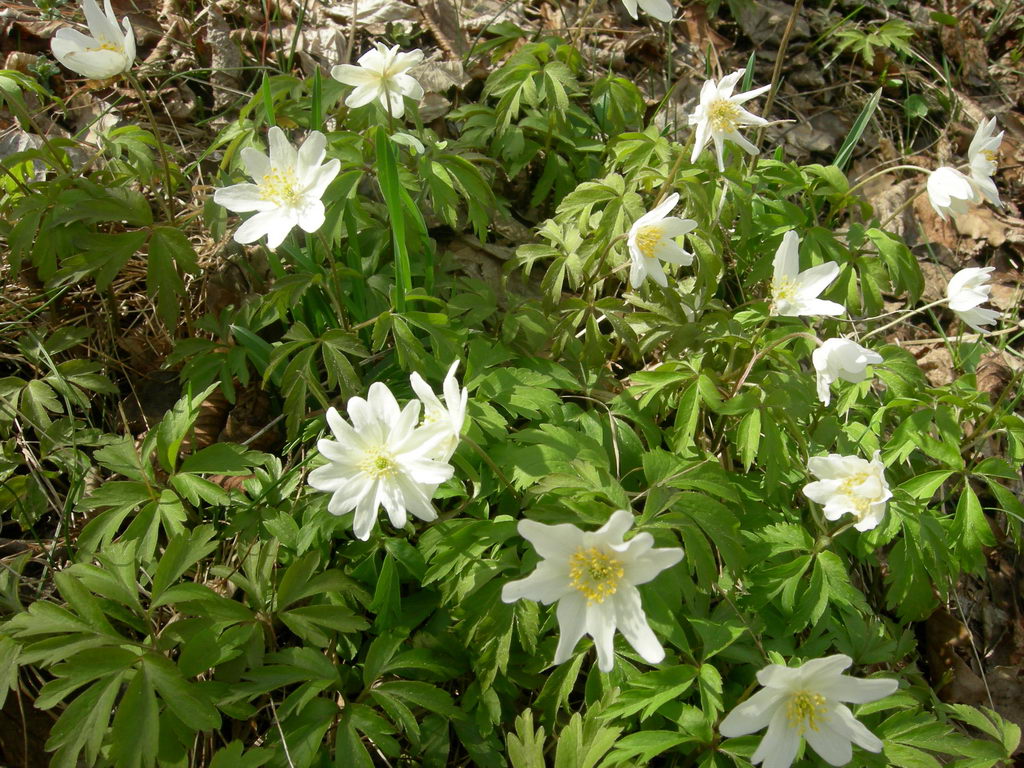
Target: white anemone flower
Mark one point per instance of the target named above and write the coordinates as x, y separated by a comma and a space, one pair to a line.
796, 293
849, 484
658, 9
382, 75
593, 576
951, 192
807, 702
449, 413
966, 290
382, 459
110, 51
287, 191
652, 238
841, 359
719, 116
982, 156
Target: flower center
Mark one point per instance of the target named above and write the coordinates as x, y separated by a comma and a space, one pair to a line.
108, 47
783, 289
989, 155
378, 463
280, 186
648, 238
724, 116
806, 710
847, 489
595, 573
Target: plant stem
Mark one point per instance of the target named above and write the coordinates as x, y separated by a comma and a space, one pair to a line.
883, 172
903, 317
164, 160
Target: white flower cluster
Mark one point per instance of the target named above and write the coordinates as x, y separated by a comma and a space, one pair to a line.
953, 192
389, 456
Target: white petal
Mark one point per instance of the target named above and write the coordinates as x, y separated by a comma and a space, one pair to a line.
658, 9
270, 223
779, 746
631, 621
417, 498
311, 215
365, 516
282, 153
753, 714
552, 541
102, 26
242, 198
601, 626
382, 404
673, 226
821, 307
645, 567
813, 281
855, 690
354, 76
546, 584
572, 623
849, 727
833, 748
787, 257
616, 527
827, 668
363, 95
322, 178
256, 163
310, 156
746, 96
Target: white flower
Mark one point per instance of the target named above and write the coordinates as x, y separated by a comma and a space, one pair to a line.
451, 413
287, 191
849, 484
841, 359
719, 115
107, 53
796, 293
652, 237
593, 576
807, 702
950, 191
659, 9
982, 156
382, 459
966, 290
381, 75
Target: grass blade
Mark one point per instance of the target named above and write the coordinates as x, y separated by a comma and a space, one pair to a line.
846, 151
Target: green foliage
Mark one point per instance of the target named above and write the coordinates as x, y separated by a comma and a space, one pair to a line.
199, 605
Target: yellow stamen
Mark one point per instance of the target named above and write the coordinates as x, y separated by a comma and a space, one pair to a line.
648, 238
862, 503
989, 155
594, 573
806, 710
378, 463
724, 116
280, 186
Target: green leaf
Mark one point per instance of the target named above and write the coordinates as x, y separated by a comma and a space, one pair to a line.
971, 532
170, 255
748, 436
859, 126
218, 459
184, 699
183, 551
135, 734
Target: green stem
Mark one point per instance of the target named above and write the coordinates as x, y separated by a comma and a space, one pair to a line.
164, 160
903, 317
883, 172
